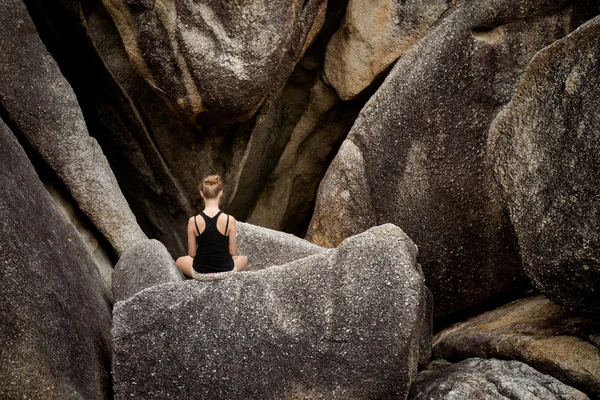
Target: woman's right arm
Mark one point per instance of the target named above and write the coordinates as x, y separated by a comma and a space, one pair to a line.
191, 233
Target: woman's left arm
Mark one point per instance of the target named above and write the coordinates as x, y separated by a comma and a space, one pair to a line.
191, 233
232, 237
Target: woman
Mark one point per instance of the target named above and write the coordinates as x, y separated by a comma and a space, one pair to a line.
212, 244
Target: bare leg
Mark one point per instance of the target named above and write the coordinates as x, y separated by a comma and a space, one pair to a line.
185, 265
240, 263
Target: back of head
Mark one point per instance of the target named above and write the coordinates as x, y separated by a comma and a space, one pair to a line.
211, 186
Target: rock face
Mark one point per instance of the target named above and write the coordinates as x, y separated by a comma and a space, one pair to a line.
422, 139
266, 248
545, 148
147, 264
536, 331
374, 34
213, 61
56, 322
490, 379
343, 323
44, 110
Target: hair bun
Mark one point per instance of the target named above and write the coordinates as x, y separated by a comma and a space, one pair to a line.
212, 180
211, 186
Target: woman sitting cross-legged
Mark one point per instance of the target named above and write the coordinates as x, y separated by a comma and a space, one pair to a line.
212, 244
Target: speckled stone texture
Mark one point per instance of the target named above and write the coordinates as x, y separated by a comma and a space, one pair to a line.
147, 264
545, 335
545, 148
214, 61
54, 318
266, 247
372, 37
477, 378
344, 323
423, 138
42, 106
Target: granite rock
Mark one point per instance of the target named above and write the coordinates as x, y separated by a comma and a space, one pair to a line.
536, 331
266, 247
43, 108
56, 320
372, 37
423, 140
490, 379
545, 148
213, 61
146, 265
342, 323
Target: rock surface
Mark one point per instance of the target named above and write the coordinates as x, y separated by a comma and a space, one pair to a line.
545, 335
374, 34
213, 61
546, 146
423, 139
343, 323
146, 265
266, 248
490, 379
43, 108
56, 322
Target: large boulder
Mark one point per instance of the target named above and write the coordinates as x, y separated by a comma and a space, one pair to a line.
545, 148
422, 139
372, 37
535, 330
343, 323
146, 265
214, 61
266, 248
44, 110
56, 321
490, 379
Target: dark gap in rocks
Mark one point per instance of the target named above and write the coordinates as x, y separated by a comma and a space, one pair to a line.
441, 323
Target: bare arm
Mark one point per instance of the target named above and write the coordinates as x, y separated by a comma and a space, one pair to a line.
232, 236
191, 233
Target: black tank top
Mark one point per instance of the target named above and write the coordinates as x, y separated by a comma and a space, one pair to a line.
212, 251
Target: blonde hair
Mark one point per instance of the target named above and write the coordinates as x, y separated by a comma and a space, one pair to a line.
211, 186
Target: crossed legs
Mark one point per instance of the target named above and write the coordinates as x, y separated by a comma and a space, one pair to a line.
185, 264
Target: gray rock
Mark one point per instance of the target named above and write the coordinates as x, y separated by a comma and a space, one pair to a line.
545, 148
536, 331
146, 265
44, 109
56, 321
95, 243
212, 61
271, 164
374, 34
423, 140
343, 323
490, 379
266, 248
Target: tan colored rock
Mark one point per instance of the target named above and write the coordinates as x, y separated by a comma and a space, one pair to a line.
535, 330
292, 187
374, 34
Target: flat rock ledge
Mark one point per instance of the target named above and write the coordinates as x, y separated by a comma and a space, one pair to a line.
146, 265
478, 378
343, 323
